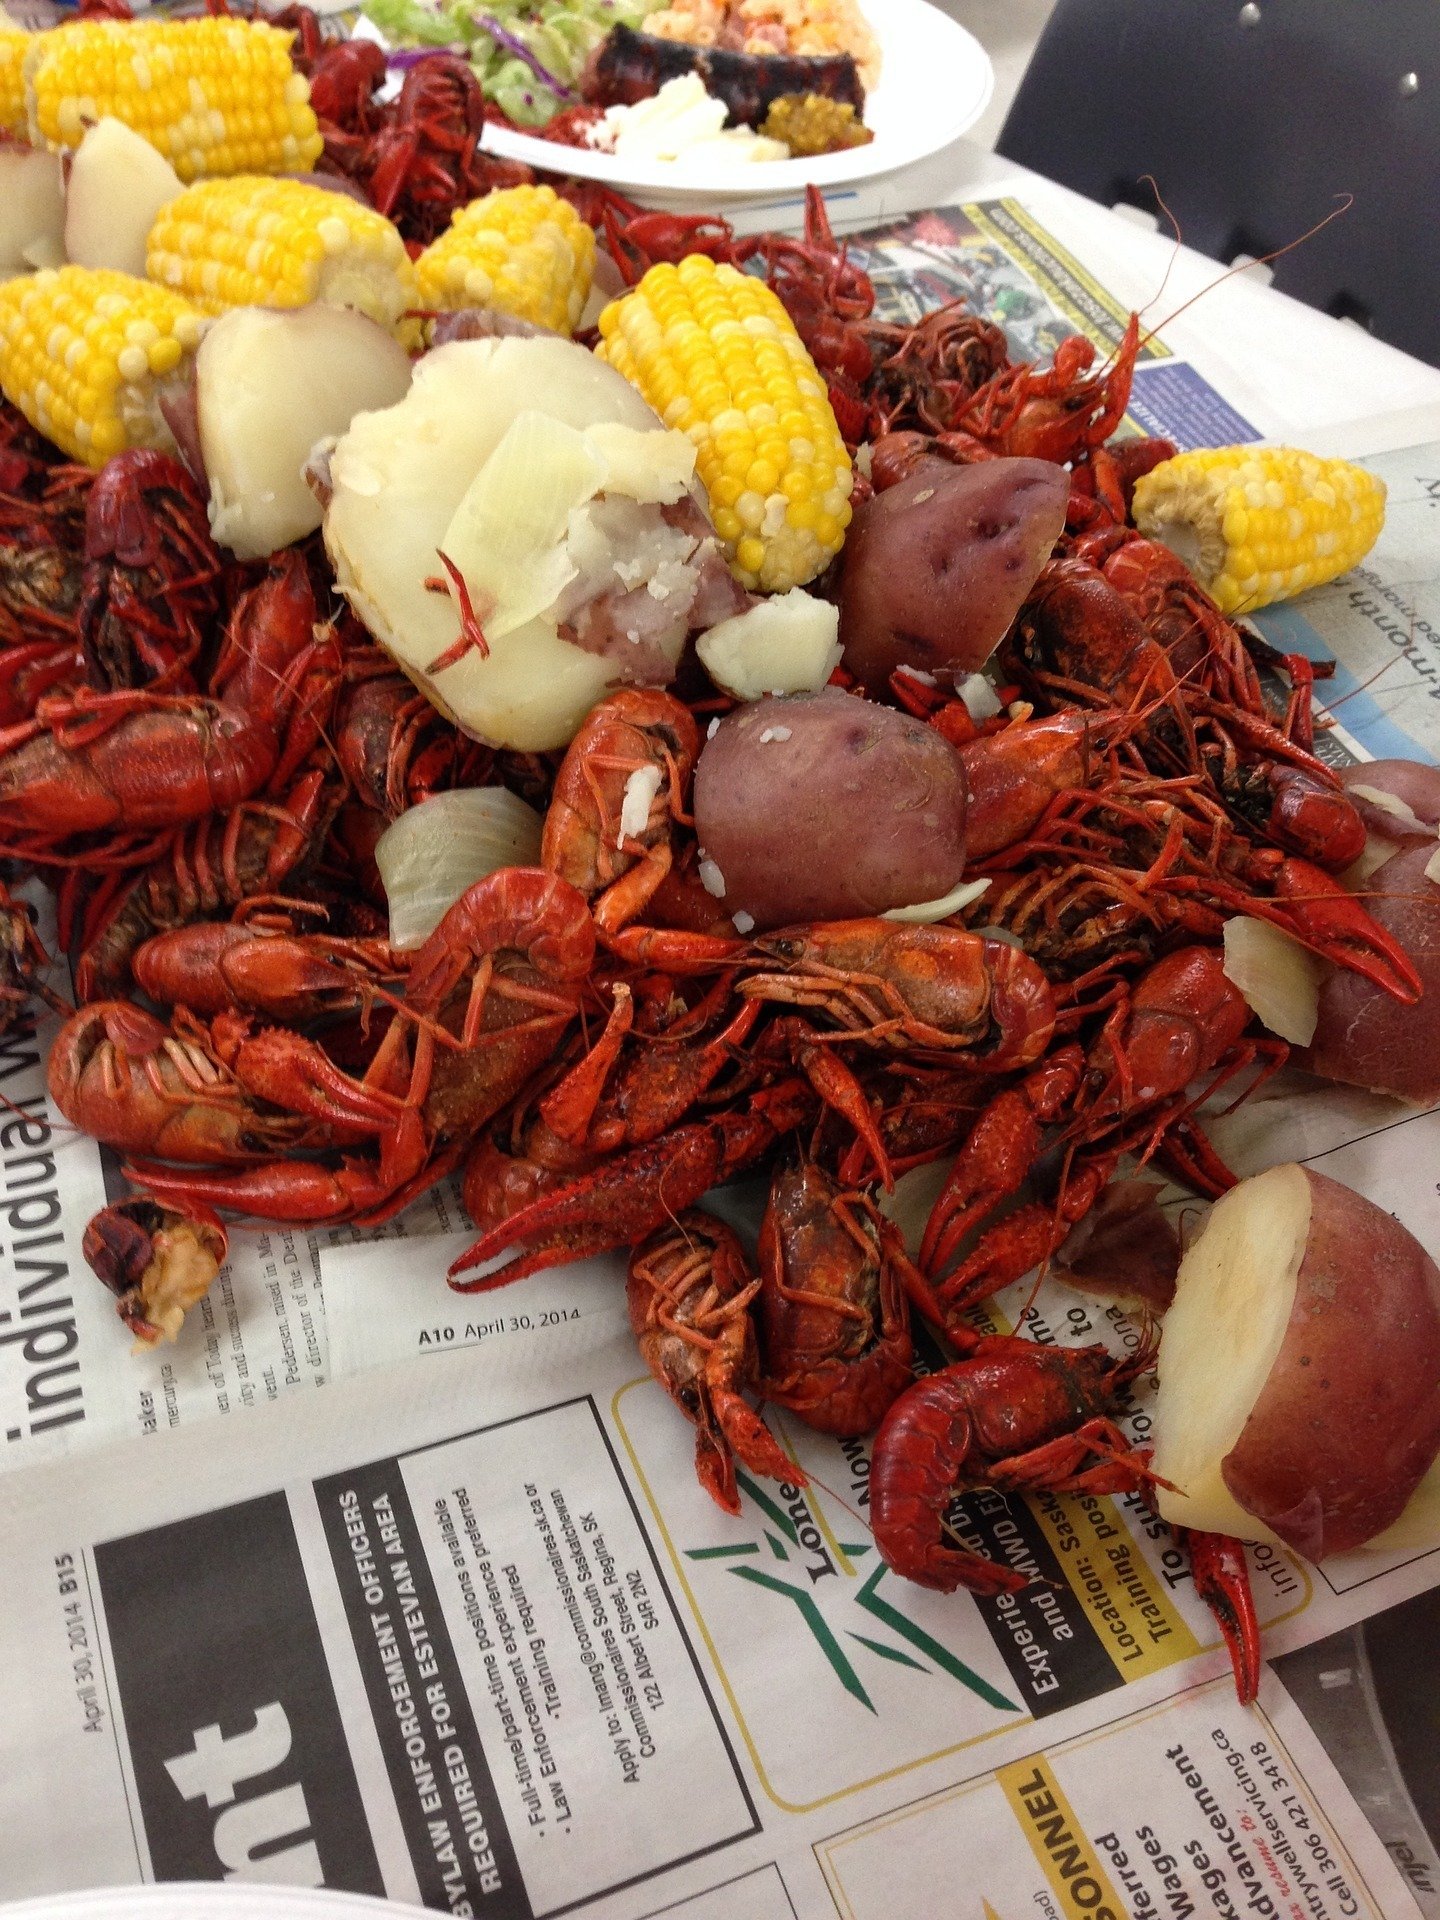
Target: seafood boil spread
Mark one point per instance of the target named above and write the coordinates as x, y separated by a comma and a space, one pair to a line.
506, 685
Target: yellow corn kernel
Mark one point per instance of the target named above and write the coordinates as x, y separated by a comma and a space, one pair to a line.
523, 250
1259, 524
85, 354
14, 45
716, 354
215, 96
254, 241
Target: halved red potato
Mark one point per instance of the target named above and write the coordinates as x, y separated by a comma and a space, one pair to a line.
1395, 797
1364, 1036
1299, 1368
935, 569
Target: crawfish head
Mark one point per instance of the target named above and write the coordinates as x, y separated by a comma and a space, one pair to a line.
903, 987
157, 1261
1300, 811
1183, 1018
635, 730
836, 1328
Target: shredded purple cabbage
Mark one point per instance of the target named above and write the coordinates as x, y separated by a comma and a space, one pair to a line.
404, 58
503, 37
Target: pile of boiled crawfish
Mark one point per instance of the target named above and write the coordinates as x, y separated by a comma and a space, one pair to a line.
199, 756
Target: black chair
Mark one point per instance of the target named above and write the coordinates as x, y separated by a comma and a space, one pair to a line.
1252, 118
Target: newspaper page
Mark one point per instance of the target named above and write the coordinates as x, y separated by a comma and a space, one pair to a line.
425, 1633
469, 1632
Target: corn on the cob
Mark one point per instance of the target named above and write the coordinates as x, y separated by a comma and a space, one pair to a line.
14, 45
716, 354
1256, 524
254, 241
87, 354
215, 96
521, 249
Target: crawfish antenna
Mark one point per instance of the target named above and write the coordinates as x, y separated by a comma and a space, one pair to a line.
1346, 202
1149, 180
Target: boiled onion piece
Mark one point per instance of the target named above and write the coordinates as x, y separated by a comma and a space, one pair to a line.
32, 209
408, 480
269, 386
435, 851
117, 184
1279, 978
1299, 1395
925, 913
788, 643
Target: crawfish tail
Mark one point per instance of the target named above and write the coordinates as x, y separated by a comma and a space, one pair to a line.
620, 1203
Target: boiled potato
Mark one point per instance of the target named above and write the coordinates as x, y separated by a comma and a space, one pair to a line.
936, 568
1398, 801
1299, 1368
783, 644
269, 385
32, 210
407, 479
117, 184
1396, 798
822, 806
1363, 1035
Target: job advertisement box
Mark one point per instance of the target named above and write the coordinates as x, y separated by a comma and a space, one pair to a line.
545, 1731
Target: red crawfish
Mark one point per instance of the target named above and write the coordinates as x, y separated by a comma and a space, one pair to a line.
633, 1193
689, 1291
636, 1082
152, 588
204, 868
634, 735
135, 761
23, 962
1023, 1418
896, 987
1011, 1415
487, 1000
1185, 1018
834, 1319
214, 966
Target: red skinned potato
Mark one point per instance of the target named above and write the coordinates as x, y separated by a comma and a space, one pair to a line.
820, 806
1398, 802
1299, 1368
1363, 1036
1386, 791
935, 569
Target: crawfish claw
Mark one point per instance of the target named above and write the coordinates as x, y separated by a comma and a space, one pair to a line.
1222, 1580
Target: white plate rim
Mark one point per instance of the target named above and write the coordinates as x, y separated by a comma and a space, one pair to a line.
184, 1899
945, 44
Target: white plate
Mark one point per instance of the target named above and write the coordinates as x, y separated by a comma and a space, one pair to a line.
207, 1900
935, 81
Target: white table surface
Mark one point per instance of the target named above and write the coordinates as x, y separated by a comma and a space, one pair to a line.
1294, 371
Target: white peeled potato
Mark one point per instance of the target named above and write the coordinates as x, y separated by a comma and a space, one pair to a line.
32, 209
788, 643
1299, 1365
268, 386
562, 524
117, 184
